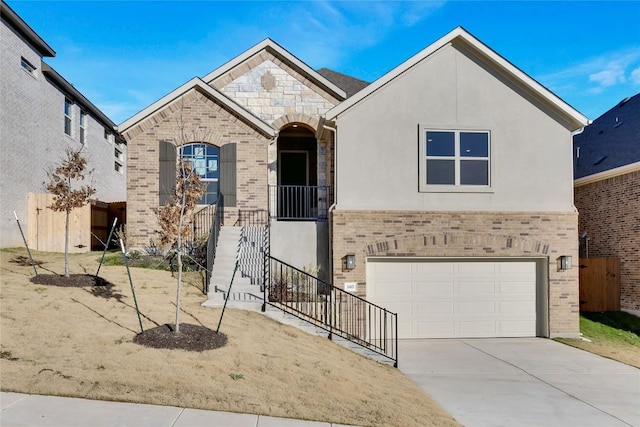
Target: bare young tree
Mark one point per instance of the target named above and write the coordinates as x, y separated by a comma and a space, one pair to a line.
176, 216
71, 169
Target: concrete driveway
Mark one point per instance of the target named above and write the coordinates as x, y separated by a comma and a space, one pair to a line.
523, 382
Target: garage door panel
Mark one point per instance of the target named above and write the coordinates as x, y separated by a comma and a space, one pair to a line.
436, 289
393, 290
476, 328
472, 288
431, 268
438, 299
475, 308
516, 328
475, 268
434, 329
512, 287
433, 308
515, 307
516, 267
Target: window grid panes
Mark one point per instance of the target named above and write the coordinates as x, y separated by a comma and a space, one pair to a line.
83, 127
67, 117
204, 160
457, 158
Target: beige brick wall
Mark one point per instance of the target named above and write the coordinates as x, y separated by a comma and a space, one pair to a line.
610, 214
464, 234
203, 121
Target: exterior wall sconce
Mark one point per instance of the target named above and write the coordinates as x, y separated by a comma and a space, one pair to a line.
564, 262
348, 262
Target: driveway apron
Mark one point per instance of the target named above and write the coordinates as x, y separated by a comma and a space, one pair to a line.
523, 382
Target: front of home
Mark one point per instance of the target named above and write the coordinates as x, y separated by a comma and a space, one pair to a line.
442, 191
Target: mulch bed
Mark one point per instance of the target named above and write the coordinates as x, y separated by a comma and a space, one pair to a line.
73, 281
190, 338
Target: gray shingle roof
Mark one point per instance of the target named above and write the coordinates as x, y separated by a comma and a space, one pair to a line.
611, 141
349, 84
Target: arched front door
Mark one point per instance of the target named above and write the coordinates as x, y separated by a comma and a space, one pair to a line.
297, 173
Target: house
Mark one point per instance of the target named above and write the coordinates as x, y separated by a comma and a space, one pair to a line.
607, 192
442, 191
41, 115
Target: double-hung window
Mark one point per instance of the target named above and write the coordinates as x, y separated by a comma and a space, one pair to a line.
67, 117
204, 161
454, 158
83, 127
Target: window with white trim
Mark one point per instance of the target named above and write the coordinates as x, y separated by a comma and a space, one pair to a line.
454, 158
83, 127
67, 116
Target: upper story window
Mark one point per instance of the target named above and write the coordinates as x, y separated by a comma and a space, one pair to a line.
67, 117
28, 66
204, 160
454, 158
83, 127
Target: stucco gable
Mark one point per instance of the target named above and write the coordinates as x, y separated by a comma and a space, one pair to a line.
159, 110
464, 41
268, 50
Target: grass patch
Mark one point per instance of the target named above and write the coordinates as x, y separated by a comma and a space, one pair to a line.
613, 334
85, 349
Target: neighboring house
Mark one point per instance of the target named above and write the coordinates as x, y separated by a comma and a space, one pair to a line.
607, 192
41, 115
442, 191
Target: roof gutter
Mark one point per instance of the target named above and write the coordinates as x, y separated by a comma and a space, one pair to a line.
76, 95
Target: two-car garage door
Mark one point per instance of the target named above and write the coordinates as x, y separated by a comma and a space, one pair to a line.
456, 299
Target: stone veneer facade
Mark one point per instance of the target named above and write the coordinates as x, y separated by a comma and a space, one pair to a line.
610, 214
464, 234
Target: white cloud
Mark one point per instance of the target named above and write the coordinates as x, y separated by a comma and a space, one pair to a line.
635, 76
323, 33
597, 73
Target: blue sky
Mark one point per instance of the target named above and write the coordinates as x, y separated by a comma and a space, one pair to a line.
124, 55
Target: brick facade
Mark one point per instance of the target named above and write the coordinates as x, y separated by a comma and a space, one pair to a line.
610, 215
464, 234
204, 121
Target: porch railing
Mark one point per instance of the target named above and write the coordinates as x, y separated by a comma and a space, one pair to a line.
330, 308
299, 202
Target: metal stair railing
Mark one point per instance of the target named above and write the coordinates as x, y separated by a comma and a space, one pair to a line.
217, 218
330, 308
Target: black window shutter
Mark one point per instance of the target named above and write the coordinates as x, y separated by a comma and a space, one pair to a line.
167, 184
228, 174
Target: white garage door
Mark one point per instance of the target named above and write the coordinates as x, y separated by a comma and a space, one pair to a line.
443, 299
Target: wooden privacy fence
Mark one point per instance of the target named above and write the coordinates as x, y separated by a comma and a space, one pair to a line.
45, 230
599, 284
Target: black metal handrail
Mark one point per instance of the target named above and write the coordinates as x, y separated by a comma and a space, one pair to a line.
299, 202
330, 308
217, 218
202, 222
252, 218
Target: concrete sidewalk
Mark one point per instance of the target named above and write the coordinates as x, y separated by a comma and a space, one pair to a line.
34, 410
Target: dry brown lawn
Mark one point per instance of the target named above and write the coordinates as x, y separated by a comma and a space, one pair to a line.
72, 342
